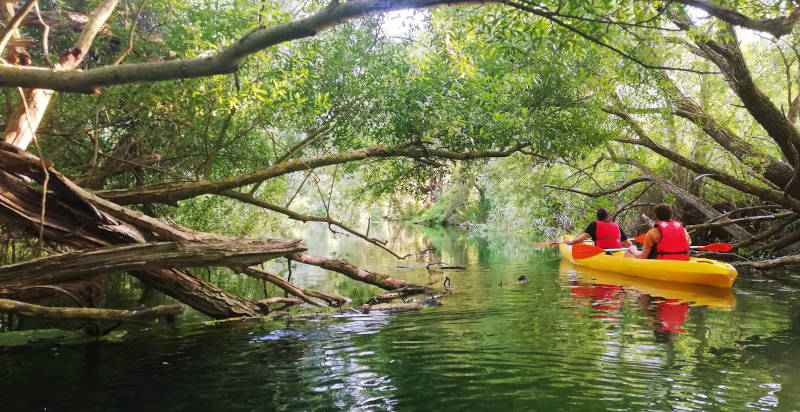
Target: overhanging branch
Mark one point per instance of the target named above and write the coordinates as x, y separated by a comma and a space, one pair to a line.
173, 192
601, 193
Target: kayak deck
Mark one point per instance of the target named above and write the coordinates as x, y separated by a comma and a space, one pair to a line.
697, 271
676, 292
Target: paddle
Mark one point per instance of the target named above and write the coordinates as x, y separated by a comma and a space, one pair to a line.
640, 238
580, 251
587, 240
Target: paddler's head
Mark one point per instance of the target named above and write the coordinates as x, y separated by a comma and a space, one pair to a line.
663, 212
602, 214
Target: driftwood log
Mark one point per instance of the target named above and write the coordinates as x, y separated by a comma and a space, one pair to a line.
144, 316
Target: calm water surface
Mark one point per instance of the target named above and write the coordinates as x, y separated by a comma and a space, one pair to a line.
565, 340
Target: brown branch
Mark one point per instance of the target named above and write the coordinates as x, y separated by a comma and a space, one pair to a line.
782, 242
23, 123
63, 19
632, 203
12, 26
130, 34
225, 61
777, 227
143, 316
616, 189
762, 193
773, 170
173, 192
552, 18
726, 222
306, 218
727, 55
146, 256
777, 27
771, 263
283, 284
341, 266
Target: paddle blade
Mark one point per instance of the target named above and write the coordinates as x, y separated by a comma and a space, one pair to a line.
545, 243
581, 251
640, 238
717, 247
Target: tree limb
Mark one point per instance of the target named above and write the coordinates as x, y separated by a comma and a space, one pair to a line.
143, 316
225, 61
601, 193
777, 27
173, 192
243, 197
146, 256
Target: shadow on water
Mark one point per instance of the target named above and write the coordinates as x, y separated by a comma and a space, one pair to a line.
566, 339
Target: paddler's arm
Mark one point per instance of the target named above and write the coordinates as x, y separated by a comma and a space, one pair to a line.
649, 242
578, 239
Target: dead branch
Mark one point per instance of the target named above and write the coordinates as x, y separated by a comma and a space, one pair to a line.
337, 265
726, 221
287, 303
11, 29
306, 218
63, 19
135, 21
771, 263
146, 256
781, 242
333, 300
616, 189
777, 227
144, 316
275, 279
395, 307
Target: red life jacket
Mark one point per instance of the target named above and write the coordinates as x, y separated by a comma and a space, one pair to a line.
608, 235
673, 244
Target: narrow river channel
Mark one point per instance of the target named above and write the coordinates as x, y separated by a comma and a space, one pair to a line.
566, 339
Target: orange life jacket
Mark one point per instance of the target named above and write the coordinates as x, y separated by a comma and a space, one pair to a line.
608, 235
673, 244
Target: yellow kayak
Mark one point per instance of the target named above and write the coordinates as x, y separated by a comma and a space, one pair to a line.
698, 271
694, 295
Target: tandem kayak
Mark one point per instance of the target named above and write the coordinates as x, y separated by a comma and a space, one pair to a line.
676, 292
697, 271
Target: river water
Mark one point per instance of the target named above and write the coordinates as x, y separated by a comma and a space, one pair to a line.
566, 339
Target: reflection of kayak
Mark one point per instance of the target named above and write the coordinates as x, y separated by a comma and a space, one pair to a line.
675, 292
697, 270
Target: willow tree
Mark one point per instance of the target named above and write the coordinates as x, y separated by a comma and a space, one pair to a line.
350, 96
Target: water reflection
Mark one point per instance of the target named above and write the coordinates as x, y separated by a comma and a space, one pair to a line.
637, 344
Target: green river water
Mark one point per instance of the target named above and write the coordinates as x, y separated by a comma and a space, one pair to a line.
561, 341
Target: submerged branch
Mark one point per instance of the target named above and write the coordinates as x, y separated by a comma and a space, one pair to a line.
144, 316
354, 272
771, 263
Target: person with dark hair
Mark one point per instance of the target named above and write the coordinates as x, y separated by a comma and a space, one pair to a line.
667, 240
605, 233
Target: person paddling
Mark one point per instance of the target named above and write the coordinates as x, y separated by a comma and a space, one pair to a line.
667, 240
605, 233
